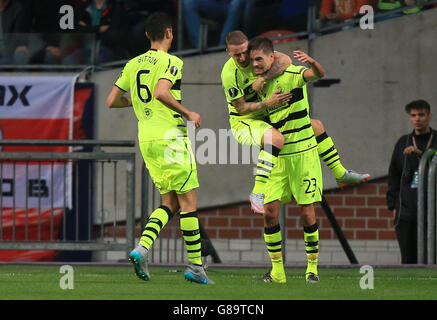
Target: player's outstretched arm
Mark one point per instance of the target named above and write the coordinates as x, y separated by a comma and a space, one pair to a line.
281, 62
116, 99
163, 94
316, 70
277, 99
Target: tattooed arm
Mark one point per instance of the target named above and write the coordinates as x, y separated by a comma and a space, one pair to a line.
277, 99
281, 62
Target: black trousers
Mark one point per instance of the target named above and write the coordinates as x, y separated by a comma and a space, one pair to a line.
406, 232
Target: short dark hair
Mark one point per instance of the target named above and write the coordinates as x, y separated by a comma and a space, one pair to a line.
156, 25
418, 105
260, 43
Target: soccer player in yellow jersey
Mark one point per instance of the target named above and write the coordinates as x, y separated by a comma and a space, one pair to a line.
297, 173
247, 114
249, 119
154, 81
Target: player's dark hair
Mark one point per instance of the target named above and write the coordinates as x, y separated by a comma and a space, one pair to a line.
418, 105
260, 43
236, 38
156, 25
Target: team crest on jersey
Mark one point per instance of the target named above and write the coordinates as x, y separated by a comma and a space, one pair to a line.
148, 113
174, 70
233, 92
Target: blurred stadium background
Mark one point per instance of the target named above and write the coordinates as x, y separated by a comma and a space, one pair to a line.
103, 200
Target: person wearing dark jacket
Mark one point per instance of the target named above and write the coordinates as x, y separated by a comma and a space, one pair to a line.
13, 28
106, 19
51, 42
403, 176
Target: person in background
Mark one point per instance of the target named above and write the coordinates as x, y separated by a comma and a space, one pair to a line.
13, 22
389, 5
341, 10
294, 15
403, 177
229, 11
106, 19
49, 42
137, 12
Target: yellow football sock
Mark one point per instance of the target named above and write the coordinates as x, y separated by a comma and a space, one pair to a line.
156, 222
191, 233
329, 155
267, 159
273, 239
311, 237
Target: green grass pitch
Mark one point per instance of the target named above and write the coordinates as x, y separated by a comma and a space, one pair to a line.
42, 282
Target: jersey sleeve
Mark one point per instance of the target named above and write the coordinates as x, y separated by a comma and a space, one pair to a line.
296, 73
173, 71
123, 80
230, 84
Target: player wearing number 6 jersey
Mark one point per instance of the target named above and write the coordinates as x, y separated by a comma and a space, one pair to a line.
154, 81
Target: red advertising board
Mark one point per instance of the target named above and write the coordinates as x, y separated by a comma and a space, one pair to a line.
45, 107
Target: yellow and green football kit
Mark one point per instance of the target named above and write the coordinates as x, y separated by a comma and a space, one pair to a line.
248, 129
164, 145
162, 134
237, 82
298, 172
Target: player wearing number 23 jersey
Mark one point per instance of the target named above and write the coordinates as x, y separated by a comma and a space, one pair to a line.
298, 172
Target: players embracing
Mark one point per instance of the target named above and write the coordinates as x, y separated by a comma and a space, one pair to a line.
264, 118
249, 117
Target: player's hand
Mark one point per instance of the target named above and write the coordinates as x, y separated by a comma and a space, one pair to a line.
302, 57
411, 150
279, 98
258, 85
194, 117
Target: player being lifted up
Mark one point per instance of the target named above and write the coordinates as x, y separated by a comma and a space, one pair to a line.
154, 81
248, 117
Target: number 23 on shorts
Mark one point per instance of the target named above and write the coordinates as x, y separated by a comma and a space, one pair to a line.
311, 185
